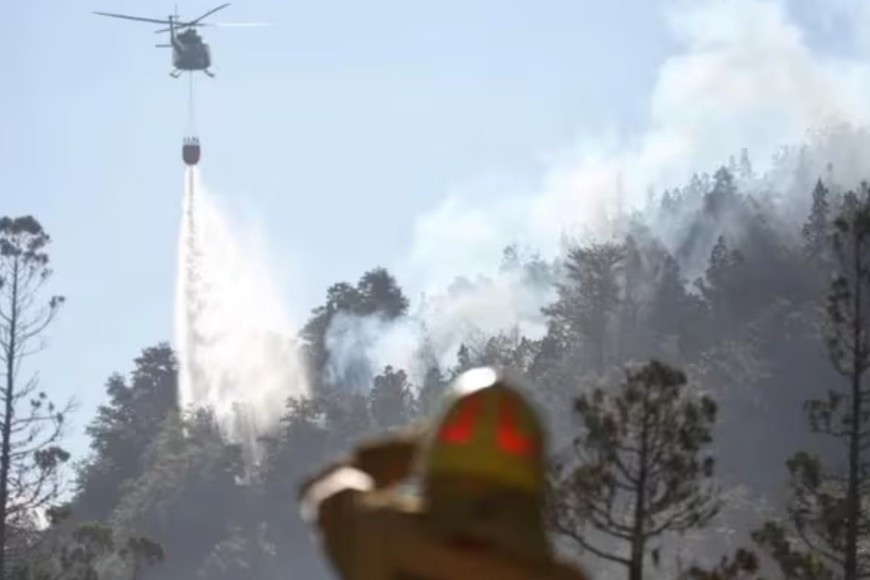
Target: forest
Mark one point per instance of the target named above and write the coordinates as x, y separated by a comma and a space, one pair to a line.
702, 374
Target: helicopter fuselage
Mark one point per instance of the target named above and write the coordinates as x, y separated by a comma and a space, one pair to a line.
190, 55
189, 52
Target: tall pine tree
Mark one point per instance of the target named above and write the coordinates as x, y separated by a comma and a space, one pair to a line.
816, 229
826, 510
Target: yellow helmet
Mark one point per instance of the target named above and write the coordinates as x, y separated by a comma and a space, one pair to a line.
488, 433
482, 472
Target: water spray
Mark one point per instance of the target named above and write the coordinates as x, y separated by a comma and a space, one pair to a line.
237, 357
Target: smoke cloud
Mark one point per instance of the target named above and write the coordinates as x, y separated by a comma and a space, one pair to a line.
745, 76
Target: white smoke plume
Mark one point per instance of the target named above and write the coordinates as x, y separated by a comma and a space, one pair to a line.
744, 76
360, 346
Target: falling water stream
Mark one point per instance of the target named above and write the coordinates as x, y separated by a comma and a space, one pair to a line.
235, 345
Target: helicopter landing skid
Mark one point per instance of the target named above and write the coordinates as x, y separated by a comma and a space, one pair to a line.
177, 73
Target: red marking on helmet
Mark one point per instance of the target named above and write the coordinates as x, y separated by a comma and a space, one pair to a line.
510, 438
461, 428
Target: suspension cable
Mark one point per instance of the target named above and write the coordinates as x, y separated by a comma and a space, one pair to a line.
191, 111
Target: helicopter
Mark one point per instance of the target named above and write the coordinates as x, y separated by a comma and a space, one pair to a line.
189, 52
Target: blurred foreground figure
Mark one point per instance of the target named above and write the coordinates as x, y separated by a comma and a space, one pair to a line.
477, 511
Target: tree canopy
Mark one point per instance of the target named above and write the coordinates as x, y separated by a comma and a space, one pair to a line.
697, 335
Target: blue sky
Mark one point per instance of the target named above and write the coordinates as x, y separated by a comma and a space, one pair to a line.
338, 127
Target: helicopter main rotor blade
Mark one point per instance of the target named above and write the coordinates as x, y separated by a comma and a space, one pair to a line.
179, 26
136, 18
192, 23
236, 24
206, 15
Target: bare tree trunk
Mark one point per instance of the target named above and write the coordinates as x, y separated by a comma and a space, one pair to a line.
850, 566
638, 539
5, 442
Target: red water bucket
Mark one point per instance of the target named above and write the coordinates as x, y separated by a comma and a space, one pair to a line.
190, 151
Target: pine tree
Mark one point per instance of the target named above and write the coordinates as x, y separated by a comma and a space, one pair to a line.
745, 171
31, 426
591, 298
391, 400
845, 415
827, 510
431, 391
124, 426
375, 294
721, 285
723, 194
816, 229
639, 469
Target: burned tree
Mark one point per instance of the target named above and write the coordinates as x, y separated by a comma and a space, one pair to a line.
30, 425
638, 470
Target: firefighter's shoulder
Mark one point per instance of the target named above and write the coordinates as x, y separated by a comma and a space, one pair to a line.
393, 542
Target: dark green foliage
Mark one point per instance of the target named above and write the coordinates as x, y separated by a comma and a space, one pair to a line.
187, 469
376, 293
816, 230
723, 285
304, 440
140, 552
793, 561
639, 469
124, 427
90, 551
431, 391
743, 565
87, 545
348, 416
391, 399
589, 299
723, 195
826, 508
675, 315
